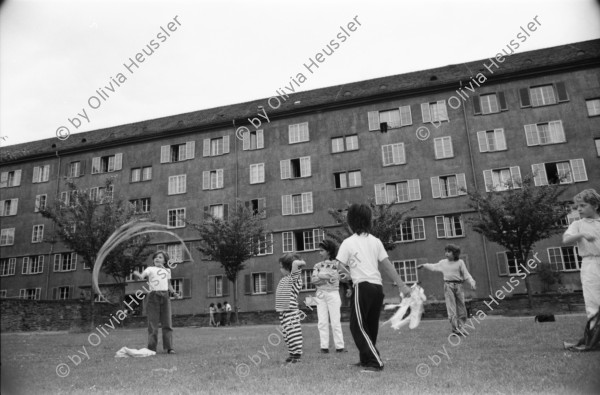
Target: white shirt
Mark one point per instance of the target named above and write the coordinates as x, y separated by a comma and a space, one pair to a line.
586, 225
158, 278
362, 253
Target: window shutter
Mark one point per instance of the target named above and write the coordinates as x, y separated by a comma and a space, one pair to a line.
262, 207
440, 227
55, 293
74, 261
211, 286
57, 259
531, 135
164, 154
225, 289
37, 203
220, 178
118, 161
111, 163
557, 133
206, 180
187, 288
502, 101
14, 206
476, 105
561, 92
247, 285
270, 282
578, 170
307, 203
524, 95
206, 148
442, 110
502, 263
4, 179
462, 183
190, 150
500, 140
41, 263
225, 211
25, 268
96, 165
36, 174
225, 144
373, 120
515, 175
305, 170
380, 197
435, 187
399, 156
425, 112
483, 142
182, 181
488, 180
2, 208
260, 139
81, 168
17, 178
246, 141
285, 168
539, 174
286, 204
414, 189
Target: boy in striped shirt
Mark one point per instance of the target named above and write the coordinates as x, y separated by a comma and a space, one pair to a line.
286, 303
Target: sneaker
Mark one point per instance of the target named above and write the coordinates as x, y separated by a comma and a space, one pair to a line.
171, 351
324, 351
292, 360
341, 350
371, 369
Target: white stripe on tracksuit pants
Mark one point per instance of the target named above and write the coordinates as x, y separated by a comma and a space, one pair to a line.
364, 321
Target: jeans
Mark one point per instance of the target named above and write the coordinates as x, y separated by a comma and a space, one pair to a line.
455, 305
158, 310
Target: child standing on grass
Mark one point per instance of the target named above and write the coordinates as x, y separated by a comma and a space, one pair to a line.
158, 307
364, 254
586, 233
455, 272
286, 303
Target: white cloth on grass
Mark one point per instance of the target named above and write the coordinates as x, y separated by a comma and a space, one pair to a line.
132, 352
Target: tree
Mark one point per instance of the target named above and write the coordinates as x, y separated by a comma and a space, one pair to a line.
386, 221
233, 240
85, 219
518, 217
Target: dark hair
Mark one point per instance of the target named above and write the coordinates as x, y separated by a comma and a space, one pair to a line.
359, 218
454, 249
218, 305
212, 305
286, 261
164, 253
330, 247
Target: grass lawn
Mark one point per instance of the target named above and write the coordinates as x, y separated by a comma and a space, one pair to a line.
501, 356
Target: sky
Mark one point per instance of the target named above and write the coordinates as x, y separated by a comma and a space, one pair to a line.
55, 55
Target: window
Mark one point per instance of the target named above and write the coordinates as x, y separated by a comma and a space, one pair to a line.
107, 164
212, 179
62, 293
502, 179
33, 265
297, 204
177, 152
265, 245
182, 286
66, 262
102, 194
139, 174
449, 226
407, 270
434, 111
131, 277
565, 172
218, 211
253, 140
258, 206
597, 142
140, 205
10, 179
448, 186
348, 179
218, 286
75, 170
564, 258
393, 154
399, 192
295, 168
7, 266
489, 103
41, 174
177, 184
302, 240
257, 173
69, 198
177, 252
545, 133
259, 283
491, 140
344, 143
38, 234
40, 203
7, 237
543, 95
389, 119
443, 147
176, 218
306, 277
411, 230
507, 264
298, 133
571, 215
8, 207
30, 293
593, 107
3, 293
215, 147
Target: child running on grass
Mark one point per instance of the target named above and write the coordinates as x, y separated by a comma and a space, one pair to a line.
455, 272
286, 303
364, 254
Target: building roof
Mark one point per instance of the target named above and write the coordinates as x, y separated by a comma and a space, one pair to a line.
520, 65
